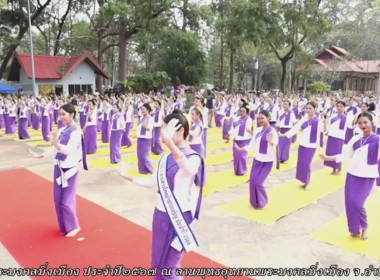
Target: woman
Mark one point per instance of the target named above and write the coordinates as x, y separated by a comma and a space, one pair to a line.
336, 131
196, 131
83, 108
219, 111
45, 121
117, 128
227, 121
128, 118
36, 111
180, 171
286, 121
296, 112
67, 152
241, 132
157, 117
361, 174
144, 140
12, 117
23, 121
312, 129
105, 119
90, 143
264, 141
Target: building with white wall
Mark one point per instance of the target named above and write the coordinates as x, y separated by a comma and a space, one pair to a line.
56, 74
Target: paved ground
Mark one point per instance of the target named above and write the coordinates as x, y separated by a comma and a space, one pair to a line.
232, 241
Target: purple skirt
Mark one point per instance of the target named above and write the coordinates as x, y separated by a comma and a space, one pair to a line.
11, 125
156, 141
356, 191
99, 125
334, 147
240, 158
23, 129
115, 143
126, 140
305, 157
144, 164
218, 120
65, 202
90, 144
82, 119
45, 128
29, 114
259, 173
226, 128
284, 146
349, 135
163, 255
105, 131
51, 114
35, 121
1, 121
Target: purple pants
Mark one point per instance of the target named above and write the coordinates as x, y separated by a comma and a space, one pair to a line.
305, 157
356, 191
115, 143
35, 121
11, 125
218, 120
23, 129
334, 147
65, 202
45, 128
163, 255
259, 173
156, 141
126, 140
90, 144
240, 158
29, 114
144, 164
6, 123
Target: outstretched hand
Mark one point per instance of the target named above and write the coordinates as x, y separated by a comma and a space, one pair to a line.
35, 155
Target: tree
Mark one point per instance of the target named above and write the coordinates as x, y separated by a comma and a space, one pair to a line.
318, 87
290, 23
14, 25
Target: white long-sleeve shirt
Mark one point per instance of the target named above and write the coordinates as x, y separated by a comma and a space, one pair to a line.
305, 135
334, 130
73, 149
269, 156
120, 123
359, 166
92, 120
185, 191
292, 121
234, 131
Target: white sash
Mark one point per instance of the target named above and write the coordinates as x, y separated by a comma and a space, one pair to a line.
65, 176
183, 231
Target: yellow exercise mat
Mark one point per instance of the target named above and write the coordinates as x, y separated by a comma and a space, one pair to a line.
222, 180
218, 145
336, 232
129, 159
221, 158
288, 197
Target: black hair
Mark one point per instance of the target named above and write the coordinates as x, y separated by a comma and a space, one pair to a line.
312, 104
201, 99
371, 107
365, 115
74, 102
118, 106
265, 113
341, 102
158, 102
69, 108
246, 107
147, 106
93, 101
177, 114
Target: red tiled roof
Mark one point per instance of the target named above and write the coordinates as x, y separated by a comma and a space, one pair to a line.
51, 67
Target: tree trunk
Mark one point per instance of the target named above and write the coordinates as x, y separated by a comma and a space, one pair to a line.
184, 12
230, 86
221, 50
283, 75
122, 52
60, 28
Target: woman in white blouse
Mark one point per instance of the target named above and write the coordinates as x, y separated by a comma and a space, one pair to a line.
144, 140
336, 130
361, 174
117, 128
264, 141
90, 129
23, 120
311, 138
178, 201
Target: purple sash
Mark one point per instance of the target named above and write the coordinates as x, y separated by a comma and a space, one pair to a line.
314, 128
353, 109
114, 121
342, 119
241, 123
105, 117
157, 114
228, 111
263, 141
373, 147
295, 111
42, 111
286, 115
143, 130
64, 139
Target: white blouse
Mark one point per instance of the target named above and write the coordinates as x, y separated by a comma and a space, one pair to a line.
333, 129
234, 131
148, 133
305, 135
269, 156
292, 121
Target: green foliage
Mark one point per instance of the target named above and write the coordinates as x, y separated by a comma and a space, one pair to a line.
143, 82
318, 87
180, 56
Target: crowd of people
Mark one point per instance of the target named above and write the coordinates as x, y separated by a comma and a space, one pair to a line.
269, 124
